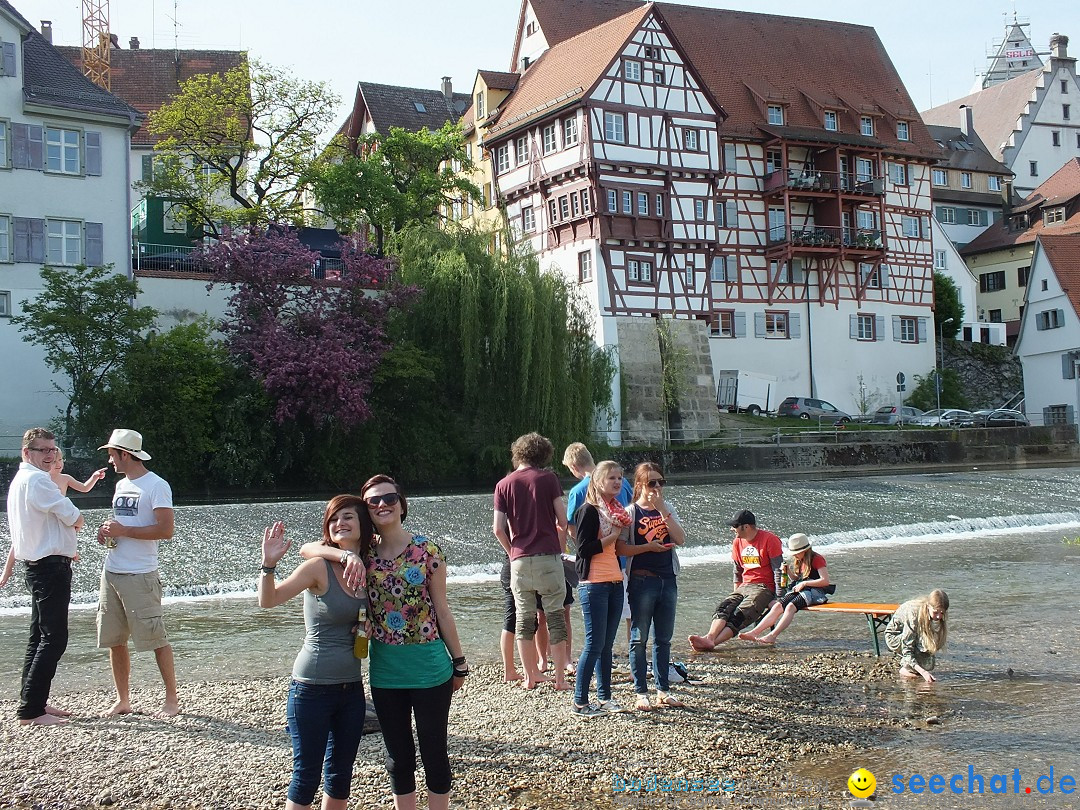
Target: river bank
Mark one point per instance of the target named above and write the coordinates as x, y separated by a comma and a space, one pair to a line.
747, 724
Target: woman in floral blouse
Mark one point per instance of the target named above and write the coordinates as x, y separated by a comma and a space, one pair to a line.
416, 661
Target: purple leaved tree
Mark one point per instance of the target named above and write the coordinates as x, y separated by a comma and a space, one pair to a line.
315, 343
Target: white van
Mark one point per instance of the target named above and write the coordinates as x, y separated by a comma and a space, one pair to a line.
745, 391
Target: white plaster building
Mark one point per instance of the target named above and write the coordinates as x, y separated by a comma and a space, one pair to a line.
1049, 344
64, 180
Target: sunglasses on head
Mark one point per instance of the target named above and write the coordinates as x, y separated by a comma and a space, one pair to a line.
654, 483
390, 498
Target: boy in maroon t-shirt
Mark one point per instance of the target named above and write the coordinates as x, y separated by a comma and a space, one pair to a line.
757, 555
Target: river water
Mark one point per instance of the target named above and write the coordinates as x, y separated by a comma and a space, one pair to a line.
1009, 690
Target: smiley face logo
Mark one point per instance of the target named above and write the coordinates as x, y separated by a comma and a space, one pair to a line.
862, 783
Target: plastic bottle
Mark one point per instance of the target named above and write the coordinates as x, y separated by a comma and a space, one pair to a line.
360, 646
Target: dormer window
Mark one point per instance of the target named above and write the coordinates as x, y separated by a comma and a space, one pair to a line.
902, 133
1054, 215
632, 70
866, 126
830, 121
776, 114
479, 106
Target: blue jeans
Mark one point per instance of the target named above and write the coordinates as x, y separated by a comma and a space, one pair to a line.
601, 608
652, 602
325, 722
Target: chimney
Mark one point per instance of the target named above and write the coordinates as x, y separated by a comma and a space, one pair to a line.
524, 63
1059, 46
114, 41
1006, 204
133, 43
447, 88
46, 30
967, 120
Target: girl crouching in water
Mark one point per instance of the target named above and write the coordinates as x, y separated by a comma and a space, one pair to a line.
917, 631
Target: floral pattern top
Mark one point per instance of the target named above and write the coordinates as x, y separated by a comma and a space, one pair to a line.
401, 607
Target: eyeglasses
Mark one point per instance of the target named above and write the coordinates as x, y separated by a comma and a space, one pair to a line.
655, 483
44, 450
390, 498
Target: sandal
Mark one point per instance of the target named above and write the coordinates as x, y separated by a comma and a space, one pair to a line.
642, 704
665, 699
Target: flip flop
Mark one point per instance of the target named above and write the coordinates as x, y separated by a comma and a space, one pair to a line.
642, 704
670, 702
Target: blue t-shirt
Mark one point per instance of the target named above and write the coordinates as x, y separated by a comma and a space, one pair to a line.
577, 497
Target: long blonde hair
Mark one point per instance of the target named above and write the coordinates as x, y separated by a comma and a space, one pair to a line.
799, 566
596, 481
931, 640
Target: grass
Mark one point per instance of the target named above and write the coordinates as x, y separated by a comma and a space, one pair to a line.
1071, 541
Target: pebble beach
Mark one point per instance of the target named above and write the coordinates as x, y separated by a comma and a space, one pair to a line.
751, 722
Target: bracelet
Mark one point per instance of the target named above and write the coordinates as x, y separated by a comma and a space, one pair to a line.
268, 569
457, 662
344, 557
461, 673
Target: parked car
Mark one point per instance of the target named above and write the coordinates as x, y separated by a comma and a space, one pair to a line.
942, 417
999, 417
810, 408
895, 415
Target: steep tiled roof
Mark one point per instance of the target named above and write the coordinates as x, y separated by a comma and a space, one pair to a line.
562, 19
1063, 251
149, 78
565, 71
995, 109
1059, 189
975, 159
392, 106
497, 80
49, 79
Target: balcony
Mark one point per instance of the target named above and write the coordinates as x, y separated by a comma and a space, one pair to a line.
167, 258
827, 237
818, 182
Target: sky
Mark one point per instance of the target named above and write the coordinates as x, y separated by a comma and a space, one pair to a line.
936, 46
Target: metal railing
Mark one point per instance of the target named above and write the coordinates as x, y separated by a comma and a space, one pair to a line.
826, 236
812, 180
174, 259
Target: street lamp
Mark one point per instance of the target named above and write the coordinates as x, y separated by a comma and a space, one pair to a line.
941, 364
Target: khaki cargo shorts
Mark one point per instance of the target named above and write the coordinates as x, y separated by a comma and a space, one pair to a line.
129, 605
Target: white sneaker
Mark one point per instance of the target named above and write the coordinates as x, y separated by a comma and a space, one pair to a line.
611, 706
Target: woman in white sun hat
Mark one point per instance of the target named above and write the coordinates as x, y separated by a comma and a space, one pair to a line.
810, 585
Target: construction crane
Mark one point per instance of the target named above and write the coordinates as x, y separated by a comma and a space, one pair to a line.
96, 42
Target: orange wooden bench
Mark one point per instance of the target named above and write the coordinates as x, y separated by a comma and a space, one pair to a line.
877, 615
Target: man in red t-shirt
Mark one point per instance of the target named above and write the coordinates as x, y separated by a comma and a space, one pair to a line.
757, 555
530, 525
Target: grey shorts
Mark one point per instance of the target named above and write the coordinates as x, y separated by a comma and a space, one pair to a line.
129, 606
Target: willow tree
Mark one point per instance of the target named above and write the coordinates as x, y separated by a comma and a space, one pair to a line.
512, 344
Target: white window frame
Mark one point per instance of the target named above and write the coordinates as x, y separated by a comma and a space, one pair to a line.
614, 127
4, 141
631, 70
831, 121
965, 179
690, 140
909, 226
898, 174
909, 329
5, 304
585, 266
689, 276
642, 204
699, 210
723, 325
939, 177
941, 260
550, 139
63, 148
564, 207
570, 131
866, 220
521, 150
502, 158
865, 327
5, 239
612, 201
903, 131
170, 222
479, 105
627, 202
993, 182
948, 215
69, 232
528, 219
776, 325
775, 114
866, 126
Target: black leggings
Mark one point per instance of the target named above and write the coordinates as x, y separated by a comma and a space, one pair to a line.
431, 708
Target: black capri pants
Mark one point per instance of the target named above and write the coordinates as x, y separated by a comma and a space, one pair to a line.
396, 709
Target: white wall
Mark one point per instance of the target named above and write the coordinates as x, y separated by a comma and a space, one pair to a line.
1035, 140
967, 285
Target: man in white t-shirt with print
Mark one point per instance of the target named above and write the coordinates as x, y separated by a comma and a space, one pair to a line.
129, 604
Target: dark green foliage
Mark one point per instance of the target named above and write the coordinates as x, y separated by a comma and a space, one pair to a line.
924, 394
947, 305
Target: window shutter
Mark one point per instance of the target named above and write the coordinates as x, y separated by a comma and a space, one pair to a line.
21, 238
20, 146
93, 249
731, 214
853, 327
925, 233
1068, 366
740, 324
879, 327
37, 240
793, 325
798, 274
921, 329
1040, 321
8, 49
93, 153
148, 172
1061, 317
36, 147
883, 274
759, 324
730, 162
896, 328
731, 269
1070, 415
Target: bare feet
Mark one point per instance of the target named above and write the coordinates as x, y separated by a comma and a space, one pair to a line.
748, 635
55, 712
701, 643
531, 681
766, 640
44, 720
118, 708
561, 684
511, 676
170, 708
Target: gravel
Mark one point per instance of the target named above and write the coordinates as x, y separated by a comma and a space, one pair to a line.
748, 719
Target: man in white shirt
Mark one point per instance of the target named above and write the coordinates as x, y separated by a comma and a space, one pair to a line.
129, 604
43, 525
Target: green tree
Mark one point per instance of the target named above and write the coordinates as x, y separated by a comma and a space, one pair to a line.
236, 145
393, 180
947, 306
85, 321
924, 394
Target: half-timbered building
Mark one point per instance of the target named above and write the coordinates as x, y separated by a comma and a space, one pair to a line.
762, 180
